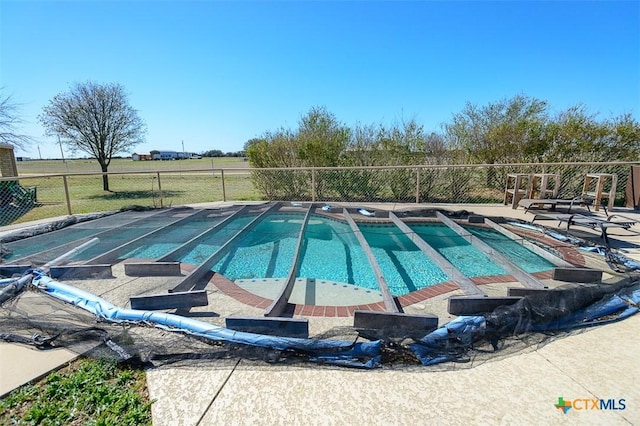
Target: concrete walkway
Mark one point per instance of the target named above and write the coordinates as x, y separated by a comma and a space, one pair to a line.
520, 389
598, 363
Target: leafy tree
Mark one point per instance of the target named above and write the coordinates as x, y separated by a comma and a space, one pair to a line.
500, 132
576, 135
623, 142
275, 149
573, 135
250, 142
213, 153
9, 120
403, 144
96, 119
322, 138
321, 141
363, 147
278, 150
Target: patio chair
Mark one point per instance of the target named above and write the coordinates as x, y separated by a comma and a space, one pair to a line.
552, 203
589, 222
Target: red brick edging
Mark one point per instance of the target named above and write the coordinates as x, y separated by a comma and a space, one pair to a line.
567, 251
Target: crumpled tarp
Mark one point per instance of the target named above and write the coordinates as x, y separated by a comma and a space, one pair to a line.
451, 341
344, 353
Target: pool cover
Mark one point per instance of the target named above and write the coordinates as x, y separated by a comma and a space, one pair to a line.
63, 315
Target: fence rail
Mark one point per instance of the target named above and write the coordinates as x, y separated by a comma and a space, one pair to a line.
31, 197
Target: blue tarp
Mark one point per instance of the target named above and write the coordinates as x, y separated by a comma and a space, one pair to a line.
448, 342
364, 354
444, 344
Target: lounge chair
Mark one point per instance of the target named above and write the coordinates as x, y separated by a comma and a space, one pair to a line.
528, 203
588, 222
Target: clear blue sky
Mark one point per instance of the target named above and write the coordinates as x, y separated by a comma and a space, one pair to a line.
215, 74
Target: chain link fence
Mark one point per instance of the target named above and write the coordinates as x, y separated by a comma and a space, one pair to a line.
28, 198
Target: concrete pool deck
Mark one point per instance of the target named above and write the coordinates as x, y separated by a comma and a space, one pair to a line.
518, 389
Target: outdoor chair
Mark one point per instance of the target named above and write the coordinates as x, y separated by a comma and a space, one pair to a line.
621, 222
552, 203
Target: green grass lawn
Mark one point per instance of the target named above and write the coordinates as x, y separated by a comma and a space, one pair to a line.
86, 195
86, 391
38, 167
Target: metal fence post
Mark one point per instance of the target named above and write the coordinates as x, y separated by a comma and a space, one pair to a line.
224, 190
417, 185
66, 194
313, 184
159, 189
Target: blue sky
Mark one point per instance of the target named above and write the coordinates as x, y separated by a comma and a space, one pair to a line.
214, 74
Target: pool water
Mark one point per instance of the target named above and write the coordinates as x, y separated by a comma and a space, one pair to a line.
464, 256
405, 267
266, 251
331, 252
517, 253
55, 240
40, 243
157, 246
116, 237
212, 242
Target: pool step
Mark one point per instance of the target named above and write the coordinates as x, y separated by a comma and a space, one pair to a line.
474, 305
273, 326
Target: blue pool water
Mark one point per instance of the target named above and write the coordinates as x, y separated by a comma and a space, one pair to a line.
514, 251
330, 250
332, 253
122, 235
405, 267
465, 257
49, 241
157, 246
214, 241
265, 252
73, 235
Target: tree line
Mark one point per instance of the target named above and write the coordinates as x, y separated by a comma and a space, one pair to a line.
97, 119
520, 129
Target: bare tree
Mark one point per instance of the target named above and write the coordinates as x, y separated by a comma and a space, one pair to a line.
96, 119
9, 120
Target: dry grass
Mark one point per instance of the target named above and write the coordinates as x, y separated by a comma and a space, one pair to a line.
179, 186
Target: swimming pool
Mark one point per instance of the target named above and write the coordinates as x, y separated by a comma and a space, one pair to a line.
331, 252
258, 245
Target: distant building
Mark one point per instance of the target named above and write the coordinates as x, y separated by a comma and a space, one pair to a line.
164, 155
8, 166
170, 155
141, 156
